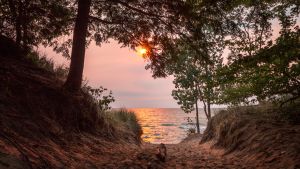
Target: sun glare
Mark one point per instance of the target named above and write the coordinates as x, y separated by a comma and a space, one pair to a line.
141, 51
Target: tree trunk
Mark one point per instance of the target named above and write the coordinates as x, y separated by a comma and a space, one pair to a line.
16, 15
197, 117
24, 19
209, 93
205, 110
208, 109
204, 104
74, 79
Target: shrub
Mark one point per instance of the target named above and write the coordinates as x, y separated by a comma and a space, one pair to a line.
100, 96
191, 131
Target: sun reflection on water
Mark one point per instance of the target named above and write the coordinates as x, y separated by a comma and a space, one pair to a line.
167, 126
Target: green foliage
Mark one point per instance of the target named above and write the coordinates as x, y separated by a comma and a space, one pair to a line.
273, 73
101, 97
194, 76
257, 69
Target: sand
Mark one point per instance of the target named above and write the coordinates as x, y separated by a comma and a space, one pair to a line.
189, 154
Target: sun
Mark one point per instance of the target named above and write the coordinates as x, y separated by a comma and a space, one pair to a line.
141, 51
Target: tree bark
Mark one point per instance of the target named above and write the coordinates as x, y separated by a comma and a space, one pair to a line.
24, 20
17, 21
208, 109
209, 93
204, 104
74, 80
205, 110
197, 117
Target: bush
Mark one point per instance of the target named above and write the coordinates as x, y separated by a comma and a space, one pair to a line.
100, 96
191, 131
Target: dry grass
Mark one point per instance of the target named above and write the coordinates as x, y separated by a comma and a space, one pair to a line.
33, 89
124, 121
51, 127
259, 132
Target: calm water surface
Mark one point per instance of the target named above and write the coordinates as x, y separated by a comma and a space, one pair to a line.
167, 125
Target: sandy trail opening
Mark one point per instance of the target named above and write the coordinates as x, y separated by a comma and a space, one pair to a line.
188, 154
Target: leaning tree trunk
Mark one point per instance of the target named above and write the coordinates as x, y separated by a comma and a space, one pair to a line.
74, 79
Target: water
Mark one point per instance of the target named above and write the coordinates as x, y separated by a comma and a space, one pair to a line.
167, 125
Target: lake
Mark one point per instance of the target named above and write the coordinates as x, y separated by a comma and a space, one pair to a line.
167, 125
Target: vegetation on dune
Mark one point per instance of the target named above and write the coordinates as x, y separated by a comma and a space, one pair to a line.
126, 121
39, 95
47, 127
260, 133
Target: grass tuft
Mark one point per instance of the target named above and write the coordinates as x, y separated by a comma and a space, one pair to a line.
46, 63
125, 121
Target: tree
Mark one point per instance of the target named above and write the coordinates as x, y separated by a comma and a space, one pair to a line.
31, 23
194, 80
74, 78
259, 69
194, 57
246, 28
271, 74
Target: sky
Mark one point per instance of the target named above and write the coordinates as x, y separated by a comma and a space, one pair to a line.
123, 71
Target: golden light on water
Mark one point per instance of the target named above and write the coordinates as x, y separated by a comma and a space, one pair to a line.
167, 126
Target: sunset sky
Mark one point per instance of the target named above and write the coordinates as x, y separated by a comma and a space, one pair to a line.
122, 70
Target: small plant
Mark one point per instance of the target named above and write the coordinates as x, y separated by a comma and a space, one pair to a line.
191, 131
61, 71
44, 62
101, 97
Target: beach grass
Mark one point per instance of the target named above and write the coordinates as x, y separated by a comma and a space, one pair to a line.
124, 120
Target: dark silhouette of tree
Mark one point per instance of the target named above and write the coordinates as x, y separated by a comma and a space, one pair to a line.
31, 23
74, 78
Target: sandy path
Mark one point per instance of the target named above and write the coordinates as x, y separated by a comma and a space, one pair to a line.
186, 155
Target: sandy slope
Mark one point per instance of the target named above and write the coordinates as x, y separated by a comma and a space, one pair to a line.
90, 152
188, 154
